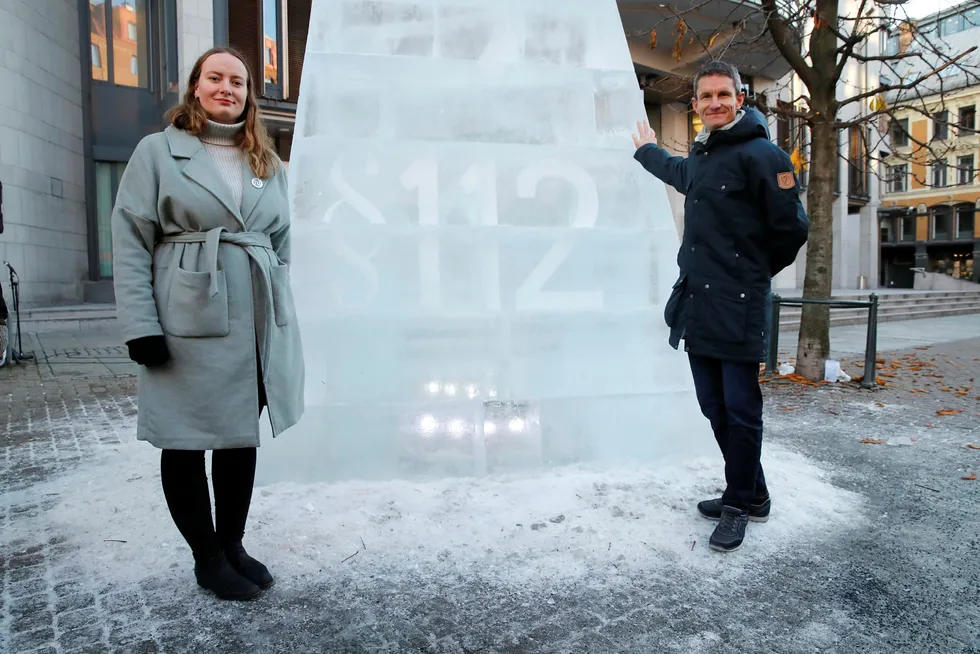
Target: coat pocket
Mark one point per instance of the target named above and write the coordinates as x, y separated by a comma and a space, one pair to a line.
191, 311
674, 302
723, 313
282, 295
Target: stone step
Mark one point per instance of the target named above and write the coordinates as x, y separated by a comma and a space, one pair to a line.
838, 318
891, 306
885, 309
68, 318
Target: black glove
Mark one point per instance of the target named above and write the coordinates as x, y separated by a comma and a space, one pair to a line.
149, 351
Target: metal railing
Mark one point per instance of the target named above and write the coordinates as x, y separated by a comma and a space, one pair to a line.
871, 345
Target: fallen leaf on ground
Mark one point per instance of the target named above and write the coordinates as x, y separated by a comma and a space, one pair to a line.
969, 477
872, 441
948, 412
972, 446
886, 374
798, 378
787, 408
879, 404
919, 390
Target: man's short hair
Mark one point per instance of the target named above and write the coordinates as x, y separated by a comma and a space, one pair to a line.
718, 68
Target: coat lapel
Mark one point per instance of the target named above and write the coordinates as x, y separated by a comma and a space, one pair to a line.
254, 188
201, 169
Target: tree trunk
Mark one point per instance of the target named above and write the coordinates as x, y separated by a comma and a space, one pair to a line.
814, 340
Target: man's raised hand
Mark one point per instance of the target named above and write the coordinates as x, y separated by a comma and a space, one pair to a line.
646, 135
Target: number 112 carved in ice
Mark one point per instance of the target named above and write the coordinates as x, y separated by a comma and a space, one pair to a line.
481, 180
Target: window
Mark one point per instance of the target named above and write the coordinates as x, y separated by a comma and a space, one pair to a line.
119, 46
887, 232
952, 24
939, 173
907, 228
255, 28
940, 126
893, 44
897, 177
97, 36
858, 167
971, 18
695, 127
942, 223
107, 176
967, 121
964, 170
900, 132
271, 30
965, 215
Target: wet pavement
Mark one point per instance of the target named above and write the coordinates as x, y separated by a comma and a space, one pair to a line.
872, 546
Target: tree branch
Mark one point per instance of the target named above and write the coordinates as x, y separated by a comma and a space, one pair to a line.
884, 88
782, 37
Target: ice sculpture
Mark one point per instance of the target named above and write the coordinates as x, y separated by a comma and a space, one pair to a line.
479, 265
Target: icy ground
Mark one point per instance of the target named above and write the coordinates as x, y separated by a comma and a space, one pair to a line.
871, 546
558, 527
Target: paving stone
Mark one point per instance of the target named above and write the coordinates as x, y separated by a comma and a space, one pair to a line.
907, 581
80, 638
29, 640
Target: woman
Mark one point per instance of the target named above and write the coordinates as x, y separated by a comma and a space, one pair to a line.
200, 234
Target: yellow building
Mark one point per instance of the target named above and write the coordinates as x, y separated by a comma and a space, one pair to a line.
930, 192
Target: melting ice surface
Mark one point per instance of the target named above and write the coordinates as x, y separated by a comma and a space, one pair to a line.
479, 266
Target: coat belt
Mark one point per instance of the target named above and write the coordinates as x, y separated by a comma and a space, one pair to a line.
211, 238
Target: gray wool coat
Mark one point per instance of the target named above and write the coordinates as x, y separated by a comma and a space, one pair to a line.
212, 278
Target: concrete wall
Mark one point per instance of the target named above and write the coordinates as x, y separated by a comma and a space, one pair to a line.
195, 34
41, 154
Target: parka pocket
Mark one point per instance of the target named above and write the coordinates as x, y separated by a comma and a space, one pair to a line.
674, 302
726, 185
723, 313
282, 295
191, 311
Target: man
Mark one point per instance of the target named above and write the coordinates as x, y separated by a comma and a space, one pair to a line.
743, 223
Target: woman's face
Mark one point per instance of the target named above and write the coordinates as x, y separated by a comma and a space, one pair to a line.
223, 88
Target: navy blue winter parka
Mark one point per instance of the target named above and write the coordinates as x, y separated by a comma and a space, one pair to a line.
743, 223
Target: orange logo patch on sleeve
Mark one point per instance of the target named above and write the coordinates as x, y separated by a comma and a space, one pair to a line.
785, 180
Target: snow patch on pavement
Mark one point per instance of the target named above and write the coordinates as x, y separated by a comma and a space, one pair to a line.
558, 526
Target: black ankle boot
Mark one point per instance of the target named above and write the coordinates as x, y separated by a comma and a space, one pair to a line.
217, 575
248, 567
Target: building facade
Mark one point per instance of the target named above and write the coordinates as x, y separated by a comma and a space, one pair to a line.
928, 216
90, 78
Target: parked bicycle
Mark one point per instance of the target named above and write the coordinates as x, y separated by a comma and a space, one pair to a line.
11, 343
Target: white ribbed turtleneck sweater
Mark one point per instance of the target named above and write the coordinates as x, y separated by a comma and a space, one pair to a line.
219, 141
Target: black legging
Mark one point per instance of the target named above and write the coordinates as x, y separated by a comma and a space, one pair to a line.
185, 485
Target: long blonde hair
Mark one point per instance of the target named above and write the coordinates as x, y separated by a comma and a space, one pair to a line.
190, 116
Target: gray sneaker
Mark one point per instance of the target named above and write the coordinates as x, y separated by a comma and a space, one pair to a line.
730, 532
758, 511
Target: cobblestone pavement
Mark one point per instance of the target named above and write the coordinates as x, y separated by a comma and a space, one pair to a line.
904, 579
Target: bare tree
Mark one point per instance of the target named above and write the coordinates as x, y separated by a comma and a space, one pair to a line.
822, 40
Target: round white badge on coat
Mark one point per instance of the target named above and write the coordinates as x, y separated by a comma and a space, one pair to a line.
256, 182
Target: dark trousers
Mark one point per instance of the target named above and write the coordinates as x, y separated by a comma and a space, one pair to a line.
730, 398
185, 485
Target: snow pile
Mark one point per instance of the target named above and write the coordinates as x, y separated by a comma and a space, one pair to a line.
557, 526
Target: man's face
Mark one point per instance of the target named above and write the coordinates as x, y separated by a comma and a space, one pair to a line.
716, 101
